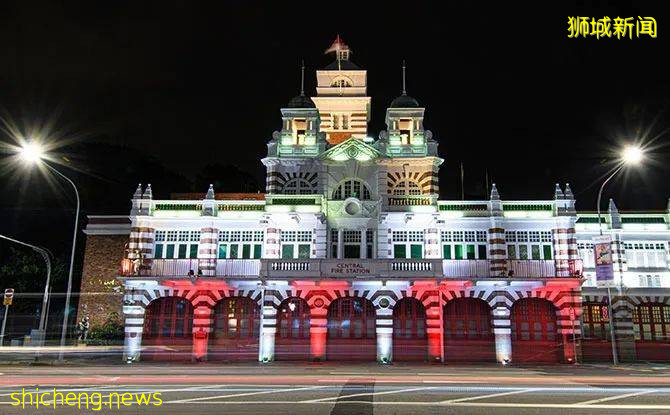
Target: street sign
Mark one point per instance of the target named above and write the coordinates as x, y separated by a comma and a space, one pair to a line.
9, 296
602, 247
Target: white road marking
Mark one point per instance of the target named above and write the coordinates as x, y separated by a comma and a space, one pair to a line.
364, 394
492, 395
205, 398
611, 398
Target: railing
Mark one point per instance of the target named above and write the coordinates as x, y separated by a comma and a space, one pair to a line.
481, 268
355, 268
176, 268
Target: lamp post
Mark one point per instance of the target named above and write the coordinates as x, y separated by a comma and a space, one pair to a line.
45, 299
34, 154
630, 156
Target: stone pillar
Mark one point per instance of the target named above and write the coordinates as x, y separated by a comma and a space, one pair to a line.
207, 251
435, 331
340, 243
141, 239
266, 349
374, 243
272, 248
503, 334
318, 329
133, 312
431, 243
202, 325
364, 244
384, 330
569, 329
623, 326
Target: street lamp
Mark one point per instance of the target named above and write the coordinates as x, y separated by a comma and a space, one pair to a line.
33, 153
45, 255
630, 156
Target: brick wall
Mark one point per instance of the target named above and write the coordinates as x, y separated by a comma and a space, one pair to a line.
102, 262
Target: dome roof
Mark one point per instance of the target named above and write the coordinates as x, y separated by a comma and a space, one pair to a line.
301, 101
404, 101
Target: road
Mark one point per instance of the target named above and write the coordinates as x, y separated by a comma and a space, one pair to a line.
332, 388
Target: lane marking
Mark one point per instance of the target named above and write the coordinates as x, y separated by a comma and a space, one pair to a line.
364, 394
492, 395
205, 398
611, 398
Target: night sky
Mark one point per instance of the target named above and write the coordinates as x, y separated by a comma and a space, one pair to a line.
155, 91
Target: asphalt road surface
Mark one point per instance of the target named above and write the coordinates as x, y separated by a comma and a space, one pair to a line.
348, 389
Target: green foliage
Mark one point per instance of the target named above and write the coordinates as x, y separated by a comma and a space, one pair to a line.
111, 332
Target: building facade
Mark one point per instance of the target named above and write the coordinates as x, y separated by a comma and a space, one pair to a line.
350, 255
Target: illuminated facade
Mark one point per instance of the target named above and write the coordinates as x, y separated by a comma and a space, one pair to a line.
350, 255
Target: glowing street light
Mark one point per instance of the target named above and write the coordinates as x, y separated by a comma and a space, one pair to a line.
34, 153
630, 156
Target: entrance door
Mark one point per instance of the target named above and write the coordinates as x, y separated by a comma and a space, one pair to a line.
168, 330
352, 251
292, 338
410, 341
351, 330
236, 329
468, 333
534, 332
651, 325
596, 344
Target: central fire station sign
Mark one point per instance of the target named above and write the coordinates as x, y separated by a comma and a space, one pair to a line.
349, 268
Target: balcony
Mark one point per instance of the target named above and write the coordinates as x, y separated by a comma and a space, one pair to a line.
355, 268
180, 268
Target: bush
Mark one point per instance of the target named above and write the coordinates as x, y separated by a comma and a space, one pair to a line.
111, 332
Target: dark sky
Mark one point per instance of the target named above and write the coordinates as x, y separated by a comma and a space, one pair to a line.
194, 83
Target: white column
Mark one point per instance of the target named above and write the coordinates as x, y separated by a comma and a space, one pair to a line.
503, 334
266, 347
384, 330
340, 243
374, 243
364, 244
134, 323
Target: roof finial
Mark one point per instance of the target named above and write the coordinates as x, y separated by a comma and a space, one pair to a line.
302, 78
404, 90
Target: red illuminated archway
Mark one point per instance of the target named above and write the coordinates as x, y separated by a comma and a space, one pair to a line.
168, 329
292, 337
351, 330
468, 332
235, 331
410, 340
535, 332
651, 325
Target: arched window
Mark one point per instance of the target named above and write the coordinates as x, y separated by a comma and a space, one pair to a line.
168, 318
352, 188
297, 187
406, 187
341, 83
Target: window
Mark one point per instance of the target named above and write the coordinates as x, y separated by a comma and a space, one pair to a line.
651, 322
296, 244
340, 121
352, 188
341, 83
408, 242
650, 254
649, 280
525, 245
240, 244
453, 247
406, 188
297, 187
173, 244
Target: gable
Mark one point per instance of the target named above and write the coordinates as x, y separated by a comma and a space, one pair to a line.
351, 149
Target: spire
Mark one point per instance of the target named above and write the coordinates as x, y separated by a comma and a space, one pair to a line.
138, 192
147, 192
302, 79
558, 193
494, 192
404, 69
210, 192
568, 192
612, 209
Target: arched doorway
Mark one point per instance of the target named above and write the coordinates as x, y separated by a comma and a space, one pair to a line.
651, 325
292, 337
468, 332
535, 332
351, 330
235, 334
410, 340
596, 343
168, 330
